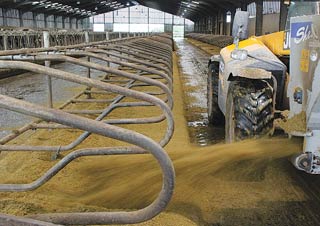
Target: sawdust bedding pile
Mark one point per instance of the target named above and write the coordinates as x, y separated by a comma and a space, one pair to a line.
297, 123
211, 182
215, 40
208, 48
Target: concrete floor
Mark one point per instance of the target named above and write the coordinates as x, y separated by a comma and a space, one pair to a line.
194, 69
33, 88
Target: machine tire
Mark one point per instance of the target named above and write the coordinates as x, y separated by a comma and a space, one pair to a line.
215, 116
249, 110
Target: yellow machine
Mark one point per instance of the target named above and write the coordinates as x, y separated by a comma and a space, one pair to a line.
247, 82
276, 43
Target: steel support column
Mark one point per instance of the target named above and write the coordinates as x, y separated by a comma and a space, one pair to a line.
5, 42
224, 21
21, 18
77, 21
34, 19
259, 17
283, 15
216, 25
4, 16
46, 44
233, 13
63, 22
55, 21
219, 23
45, 20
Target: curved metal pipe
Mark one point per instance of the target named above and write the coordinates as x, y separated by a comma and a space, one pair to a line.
139, 55
93, 126
135, 60
96, 84
100, 68
134, 66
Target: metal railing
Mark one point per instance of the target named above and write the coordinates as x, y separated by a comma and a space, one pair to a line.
149, 68
15, 39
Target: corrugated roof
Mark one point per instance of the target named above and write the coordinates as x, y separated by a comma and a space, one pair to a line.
191, 9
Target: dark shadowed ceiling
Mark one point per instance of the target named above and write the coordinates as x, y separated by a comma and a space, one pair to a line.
194, 9
84, 8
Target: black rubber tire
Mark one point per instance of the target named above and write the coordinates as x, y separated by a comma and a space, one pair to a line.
249, 110
215, 116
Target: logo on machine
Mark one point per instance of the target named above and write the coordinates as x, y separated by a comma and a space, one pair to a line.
286, 40
303, 31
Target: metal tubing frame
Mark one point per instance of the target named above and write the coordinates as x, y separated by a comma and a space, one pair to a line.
46, 44
21, 221
16, 39
97, 112
99, 67
66, 58
130, 59
137, 54
100, 128
148, 47
133, 48
90, 83
105, 128
61, 48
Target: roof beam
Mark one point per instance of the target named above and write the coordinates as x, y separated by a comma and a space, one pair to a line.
205, 8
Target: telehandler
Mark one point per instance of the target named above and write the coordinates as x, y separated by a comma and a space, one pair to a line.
254, 80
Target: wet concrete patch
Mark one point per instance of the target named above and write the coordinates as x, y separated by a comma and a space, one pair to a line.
33, 88
193, 67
